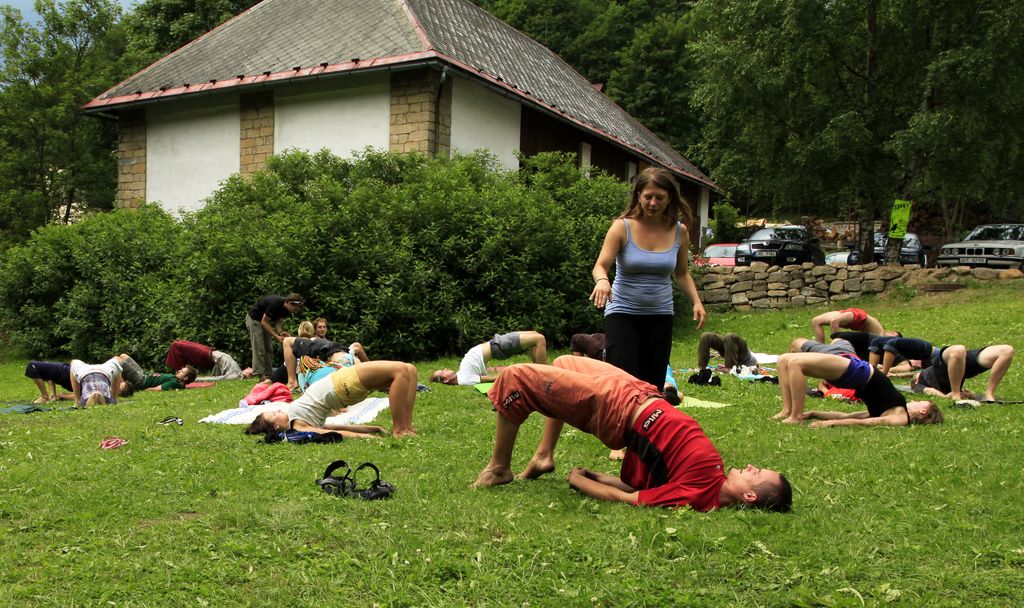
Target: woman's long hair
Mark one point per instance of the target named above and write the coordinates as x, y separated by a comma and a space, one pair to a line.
678, 210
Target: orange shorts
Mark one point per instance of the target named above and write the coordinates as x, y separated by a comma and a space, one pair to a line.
591, 395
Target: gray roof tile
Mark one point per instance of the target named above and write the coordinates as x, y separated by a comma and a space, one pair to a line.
277, 36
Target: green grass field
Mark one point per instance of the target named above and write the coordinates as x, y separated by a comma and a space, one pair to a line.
203, 515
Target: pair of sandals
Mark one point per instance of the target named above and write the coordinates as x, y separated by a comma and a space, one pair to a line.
345, 486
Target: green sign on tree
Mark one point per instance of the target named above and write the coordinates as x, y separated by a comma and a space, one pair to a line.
899, 218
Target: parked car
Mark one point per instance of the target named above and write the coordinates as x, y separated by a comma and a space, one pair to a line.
719, 254
991, 245
837, 257
911, 252
780, 246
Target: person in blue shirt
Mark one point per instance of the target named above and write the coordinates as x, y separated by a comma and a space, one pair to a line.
648, 244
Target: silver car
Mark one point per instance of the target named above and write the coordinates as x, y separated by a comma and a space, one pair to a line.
991, 245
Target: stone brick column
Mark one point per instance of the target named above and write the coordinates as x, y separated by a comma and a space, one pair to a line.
131, 158
257, 131
420, 120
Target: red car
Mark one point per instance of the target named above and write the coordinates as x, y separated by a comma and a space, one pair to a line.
719, 254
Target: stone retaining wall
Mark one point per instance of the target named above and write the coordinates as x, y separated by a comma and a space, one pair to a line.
760, 286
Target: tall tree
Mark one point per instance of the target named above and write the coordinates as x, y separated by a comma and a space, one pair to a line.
654, 80
964, 147
825, 104
53, 158
159, 27
557, 24
638, 48
620, 30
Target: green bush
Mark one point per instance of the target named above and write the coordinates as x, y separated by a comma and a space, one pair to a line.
414, 257
111, 283
724, 224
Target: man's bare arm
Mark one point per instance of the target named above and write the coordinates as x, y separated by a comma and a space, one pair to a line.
584, 481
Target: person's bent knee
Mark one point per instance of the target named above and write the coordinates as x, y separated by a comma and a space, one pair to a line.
797, 344
530, 339
957, 351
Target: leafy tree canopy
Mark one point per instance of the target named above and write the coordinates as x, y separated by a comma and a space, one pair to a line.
53, 158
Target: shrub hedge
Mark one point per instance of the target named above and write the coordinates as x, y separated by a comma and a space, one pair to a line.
110, 283
414, 257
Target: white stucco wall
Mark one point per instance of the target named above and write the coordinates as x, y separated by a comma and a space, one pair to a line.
190, 149
484, 119
704, 211
342, 115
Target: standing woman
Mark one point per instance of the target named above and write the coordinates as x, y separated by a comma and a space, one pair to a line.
649, 244
264, 322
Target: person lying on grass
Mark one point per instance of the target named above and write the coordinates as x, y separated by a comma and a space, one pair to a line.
96, 384
886, 352
886, 405
952, 365
345, 387
473, 368
669, 460
319, 348
848, 318
221, 365
139, 380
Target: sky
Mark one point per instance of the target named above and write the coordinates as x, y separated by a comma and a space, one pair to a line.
25, 6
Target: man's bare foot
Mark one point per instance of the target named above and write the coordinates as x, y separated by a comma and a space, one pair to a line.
293, 386
537, 467
616, 454
792, 420
781, 415
409, 432
493, 477
41, 400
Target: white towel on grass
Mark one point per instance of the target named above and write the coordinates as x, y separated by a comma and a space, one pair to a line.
361, 413
763, 358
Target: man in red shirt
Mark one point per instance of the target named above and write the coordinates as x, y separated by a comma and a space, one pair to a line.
203, 357
669, 460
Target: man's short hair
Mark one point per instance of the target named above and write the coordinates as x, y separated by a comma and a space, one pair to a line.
190, 374
934, 416
776, 498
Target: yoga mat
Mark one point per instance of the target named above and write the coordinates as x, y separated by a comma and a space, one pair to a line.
700, 403
361, 413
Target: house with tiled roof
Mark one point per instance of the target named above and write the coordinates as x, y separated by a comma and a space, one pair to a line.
433, 76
